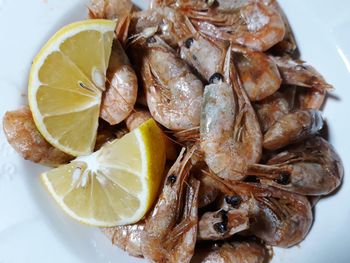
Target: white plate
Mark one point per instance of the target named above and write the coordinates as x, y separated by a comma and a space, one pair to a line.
33, 228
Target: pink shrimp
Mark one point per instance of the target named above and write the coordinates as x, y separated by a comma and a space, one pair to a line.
24, 137
229, 130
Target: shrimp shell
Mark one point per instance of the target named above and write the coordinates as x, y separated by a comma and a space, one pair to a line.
288, 45
292, 128
174, 93
198, 50
127, 237
298, 73
118, 10
230, 133
109, 9
253, 25
271, 109
120, 96
233, 252
202, 53
311, 168
162, 220
23, 135
278, 217
259, 74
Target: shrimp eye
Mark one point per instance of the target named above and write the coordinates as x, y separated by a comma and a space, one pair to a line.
283, 179
171, 179
215, 78
251, 179
234, 200
189, 42
220, 227
151, 40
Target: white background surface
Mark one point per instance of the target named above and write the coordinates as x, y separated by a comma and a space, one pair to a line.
33, 229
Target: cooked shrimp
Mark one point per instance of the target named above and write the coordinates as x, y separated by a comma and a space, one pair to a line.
258, 73
221, 5
121, 87
24, 137
283, 219
233, 252
292, 128
161, 231
230, 133
121, 91
202, 53
310, 168
254, 25
174, 93
197, 49
271, 110
170, 24
300, 74
109, 9
288, 44
127, 237
118, 10
144, 20
278, 217
313, 95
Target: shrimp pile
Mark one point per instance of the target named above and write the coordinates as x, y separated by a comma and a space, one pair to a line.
242, 122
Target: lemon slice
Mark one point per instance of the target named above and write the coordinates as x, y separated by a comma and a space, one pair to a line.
66, 81
115, 185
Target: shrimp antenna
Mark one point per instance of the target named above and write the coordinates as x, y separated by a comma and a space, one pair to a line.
223, 185
146, 33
